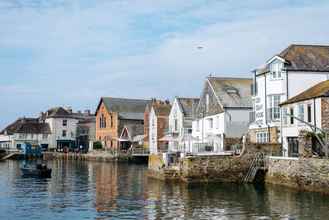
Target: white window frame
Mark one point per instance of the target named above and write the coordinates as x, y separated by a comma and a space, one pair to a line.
210, 123
274, 106
262, 137
301, 113
276, 71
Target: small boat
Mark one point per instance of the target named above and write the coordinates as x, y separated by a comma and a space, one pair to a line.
40, 170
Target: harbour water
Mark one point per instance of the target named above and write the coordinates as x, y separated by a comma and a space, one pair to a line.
95, 190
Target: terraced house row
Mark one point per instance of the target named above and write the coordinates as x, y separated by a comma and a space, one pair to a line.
284, 101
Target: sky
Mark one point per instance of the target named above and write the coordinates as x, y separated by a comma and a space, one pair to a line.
72, 52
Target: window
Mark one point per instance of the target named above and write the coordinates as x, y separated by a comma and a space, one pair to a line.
207, 102
301, 113
198, 125
175, 125
261, 137
217, 122
284, 116
276, 71
309, 113
44, 136
274, 109
102, 121
292, 115
64, 122
64, 133
111, 121
211, 123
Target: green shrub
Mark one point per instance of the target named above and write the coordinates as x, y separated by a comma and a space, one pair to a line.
97, 145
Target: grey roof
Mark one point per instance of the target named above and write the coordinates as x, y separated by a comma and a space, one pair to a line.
124, 105
58, 112
232, 92
313, 58
134, 129
27, 126
188, 105
131, 115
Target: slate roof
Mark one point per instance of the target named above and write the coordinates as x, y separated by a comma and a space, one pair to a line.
134, 129
304, 58
58, 112
319, 90
161, 108
187, 105
27, 126
127, 108
232, 92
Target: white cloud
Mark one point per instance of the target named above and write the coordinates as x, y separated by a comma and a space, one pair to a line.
81, 52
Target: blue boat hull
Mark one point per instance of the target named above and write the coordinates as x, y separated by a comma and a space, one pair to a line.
43, 173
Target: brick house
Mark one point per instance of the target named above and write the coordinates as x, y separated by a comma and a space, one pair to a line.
307, 111
158, 126
113, 114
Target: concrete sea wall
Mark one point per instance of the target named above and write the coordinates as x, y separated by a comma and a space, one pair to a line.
309, 174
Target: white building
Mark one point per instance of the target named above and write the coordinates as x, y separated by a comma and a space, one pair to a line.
307, 111
63, 126
180, 124
222, 115
285, 75
25, 130
158, 124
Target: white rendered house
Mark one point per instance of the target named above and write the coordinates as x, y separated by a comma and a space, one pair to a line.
285, 75
25, 130
307, 111
222, 116
63, 126
180, 124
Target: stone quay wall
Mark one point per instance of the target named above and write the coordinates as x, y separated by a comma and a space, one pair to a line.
198, 169
308, 174
94, 156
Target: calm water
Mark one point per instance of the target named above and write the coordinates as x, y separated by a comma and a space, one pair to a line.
91, 190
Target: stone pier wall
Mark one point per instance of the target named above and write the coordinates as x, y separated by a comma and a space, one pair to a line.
95, 156
309, 174
192, 169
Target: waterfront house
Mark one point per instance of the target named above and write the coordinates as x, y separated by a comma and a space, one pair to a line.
25, 130
86, 130
180, 124
221, 117
63, 125
285, 75
158, 124
307, 111
112, 115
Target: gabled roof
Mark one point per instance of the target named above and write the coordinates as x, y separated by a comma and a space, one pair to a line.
187, 105
133, 130
127, 108
298, 57
161, 108
232, 92
27, 126
58, 112
319, 90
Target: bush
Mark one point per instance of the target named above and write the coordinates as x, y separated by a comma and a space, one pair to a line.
97, 145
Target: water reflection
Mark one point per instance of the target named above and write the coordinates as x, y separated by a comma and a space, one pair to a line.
94, 190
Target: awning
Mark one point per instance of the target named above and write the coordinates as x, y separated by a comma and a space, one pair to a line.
139, 138
123, 140
168, 138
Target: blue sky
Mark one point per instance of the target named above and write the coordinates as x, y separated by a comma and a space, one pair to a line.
70, 53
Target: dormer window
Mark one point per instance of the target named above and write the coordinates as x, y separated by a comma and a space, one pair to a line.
65, 122
276, 70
